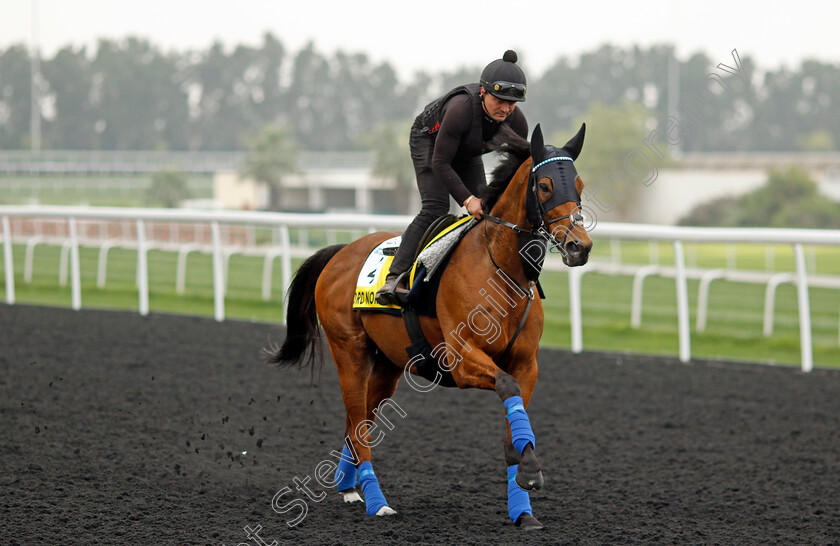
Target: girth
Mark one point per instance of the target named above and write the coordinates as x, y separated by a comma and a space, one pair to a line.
428, 367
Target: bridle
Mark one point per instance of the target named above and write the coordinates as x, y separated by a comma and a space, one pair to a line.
537, 215
558, 169
563, 193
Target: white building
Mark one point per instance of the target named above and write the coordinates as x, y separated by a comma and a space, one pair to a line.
701, 177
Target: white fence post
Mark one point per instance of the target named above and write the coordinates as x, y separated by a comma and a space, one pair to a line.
286, 260
218, 274
770, 299
703, 296
8, 262
102, 265
181, 268
575, 315
75, 270
638, 286
63, 259
30, 257
227, 255
142, 269
804, 309
682, 303
268, 269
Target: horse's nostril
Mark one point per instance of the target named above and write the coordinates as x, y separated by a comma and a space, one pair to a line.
574, 249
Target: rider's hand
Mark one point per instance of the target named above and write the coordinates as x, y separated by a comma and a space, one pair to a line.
474, 207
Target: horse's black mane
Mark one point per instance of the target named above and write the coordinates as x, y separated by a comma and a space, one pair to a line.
514, 151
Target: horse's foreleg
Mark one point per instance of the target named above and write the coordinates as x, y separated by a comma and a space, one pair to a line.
477, 370
529, 475
519, 501
523, 469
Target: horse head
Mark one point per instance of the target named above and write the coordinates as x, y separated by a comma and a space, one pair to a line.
552, 203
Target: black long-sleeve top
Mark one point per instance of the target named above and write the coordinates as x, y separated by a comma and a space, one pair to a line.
451, 141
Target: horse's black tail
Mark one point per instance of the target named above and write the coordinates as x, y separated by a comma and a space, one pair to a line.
302, 329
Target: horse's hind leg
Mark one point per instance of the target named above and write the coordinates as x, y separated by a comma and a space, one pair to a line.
382, 385
381, 409
355, 371
346, 475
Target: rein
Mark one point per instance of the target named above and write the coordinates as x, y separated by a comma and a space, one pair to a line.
539, 232
529, 292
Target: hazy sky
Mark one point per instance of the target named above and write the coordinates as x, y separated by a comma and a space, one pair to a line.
444, 35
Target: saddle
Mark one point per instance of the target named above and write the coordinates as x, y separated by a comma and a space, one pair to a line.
433, 231
431, 257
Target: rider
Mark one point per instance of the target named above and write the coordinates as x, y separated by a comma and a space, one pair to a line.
447, 141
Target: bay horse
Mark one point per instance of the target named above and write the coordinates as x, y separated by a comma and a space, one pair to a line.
488, 325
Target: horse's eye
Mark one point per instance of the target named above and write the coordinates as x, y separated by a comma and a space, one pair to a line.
544, 187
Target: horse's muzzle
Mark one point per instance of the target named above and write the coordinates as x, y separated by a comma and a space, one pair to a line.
576, 253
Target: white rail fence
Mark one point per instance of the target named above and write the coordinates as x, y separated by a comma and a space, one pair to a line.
282, 222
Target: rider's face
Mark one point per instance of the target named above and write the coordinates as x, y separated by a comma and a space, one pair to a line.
497, 109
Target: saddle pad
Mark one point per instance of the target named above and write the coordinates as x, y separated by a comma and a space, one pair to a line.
373, 273
439, 248
378, 264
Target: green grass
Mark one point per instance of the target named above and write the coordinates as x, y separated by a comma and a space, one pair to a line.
734, 322
243, 299
823, 260
96, 190
735, 313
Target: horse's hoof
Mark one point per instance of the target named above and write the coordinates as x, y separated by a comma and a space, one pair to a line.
386, 511
529, 472
527, 522
351, 495
529, 481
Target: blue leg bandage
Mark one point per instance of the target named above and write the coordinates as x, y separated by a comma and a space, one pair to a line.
345, 474
374, 499
518, 500
520, 425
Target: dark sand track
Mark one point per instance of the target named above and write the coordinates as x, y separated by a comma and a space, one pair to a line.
120, 429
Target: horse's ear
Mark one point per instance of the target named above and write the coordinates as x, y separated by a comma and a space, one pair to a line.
537, 145
576, 143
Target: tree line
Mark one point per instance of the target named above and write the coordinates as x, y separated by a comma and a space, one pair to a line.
789, 199
128, 94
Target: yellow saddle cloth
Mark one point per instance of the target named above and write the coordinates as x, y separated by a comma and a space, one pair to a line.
378, 264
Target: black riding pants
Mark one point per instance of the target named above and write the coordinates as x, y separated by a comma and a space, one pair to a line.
433, 194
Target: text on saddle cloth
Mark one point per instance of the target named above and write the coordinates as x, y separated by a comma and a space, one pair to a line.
373, 273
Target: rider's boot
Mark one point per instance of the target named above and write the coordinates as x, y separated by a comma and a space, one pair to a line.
393, 292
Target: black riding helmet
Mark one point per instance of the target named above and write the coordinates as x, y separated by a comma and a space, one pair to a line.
504, 79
